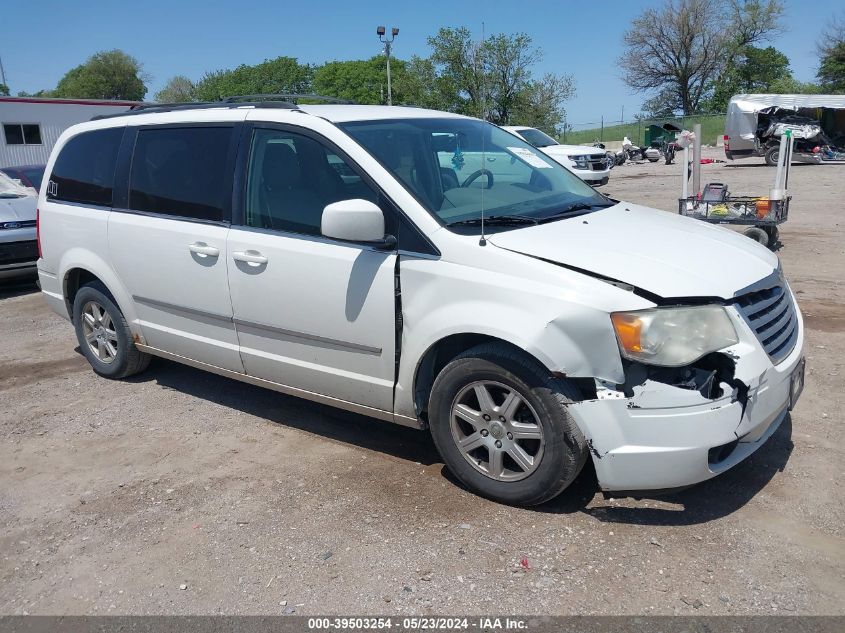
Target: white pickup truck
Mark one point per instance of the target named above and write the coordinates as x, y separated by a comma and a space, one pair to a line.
588, 163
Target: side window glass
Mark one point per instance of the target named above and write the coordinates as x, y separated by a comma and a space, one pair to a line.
290, 180
181, 172
84, 169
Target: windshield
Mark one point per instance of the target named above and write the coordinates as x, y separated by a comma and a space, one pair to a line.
458, 167
35, 175
11, 189
536, 137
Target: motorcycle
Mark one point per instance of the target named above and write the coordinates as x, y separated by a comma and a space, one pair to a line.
664, 149
612, 159
631, 151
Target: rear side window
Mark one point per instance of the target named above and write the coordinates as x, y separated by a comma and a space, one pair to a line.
181, 172
84, 169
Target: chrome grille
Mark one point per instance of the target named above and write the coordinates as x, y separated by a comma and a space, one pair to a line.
771, 314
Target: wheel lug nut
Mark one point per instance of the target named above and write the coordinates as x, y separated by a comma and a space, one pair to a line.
486, 417
498, 444
510, 436
484, 432
501, 418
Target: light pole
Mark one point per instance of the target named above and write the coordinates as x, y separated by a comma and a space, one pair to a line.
380, 31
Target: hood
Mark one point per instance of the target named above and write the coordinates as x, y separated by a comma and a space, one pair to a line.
665, 254
18, 209
566, 150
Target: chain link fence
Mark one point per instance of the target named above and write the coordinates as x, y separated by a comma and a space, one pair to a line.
712, 128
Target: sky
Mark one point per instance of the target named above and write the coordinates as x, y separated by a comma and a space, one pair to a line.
190, 37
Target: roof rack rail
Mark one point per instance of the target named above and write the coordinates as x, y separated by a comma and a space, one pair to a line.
149, 108
291, 97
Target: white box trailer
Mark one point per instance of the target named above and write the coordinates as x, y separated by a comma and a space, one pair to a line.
31, 126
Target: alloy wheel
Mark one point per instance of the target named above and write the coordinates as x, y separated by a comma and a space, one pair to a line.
497, 431
99, 332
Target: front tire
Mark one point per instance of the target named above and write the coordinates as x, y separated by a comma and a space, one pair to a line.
500, 422
103, 334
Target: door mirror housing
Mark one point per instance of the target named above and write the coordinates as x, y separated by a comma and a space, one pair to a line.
355, 220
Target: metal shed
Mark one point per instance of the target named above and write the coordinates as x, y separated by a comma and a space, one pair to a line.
31, 126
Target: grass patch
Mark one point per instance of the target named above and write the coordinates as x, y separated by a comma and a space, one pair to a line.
712, 126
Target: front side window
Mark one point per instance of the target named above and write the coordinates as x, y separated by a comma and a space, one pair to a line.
22, 133
181, 172
292, 177
84, 169
460, 168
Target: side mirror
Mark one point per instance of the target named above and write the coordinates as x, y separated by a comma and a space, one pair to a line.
355, 221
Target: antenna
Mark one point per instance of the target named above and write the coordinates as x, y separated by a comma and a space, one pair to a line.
483, 240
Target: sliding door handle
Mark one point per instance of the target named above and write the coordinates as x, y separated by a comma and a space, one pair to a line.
201, 248
250, 257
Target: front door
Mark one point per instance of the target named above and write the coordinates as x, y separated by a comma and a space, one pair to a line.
310, 312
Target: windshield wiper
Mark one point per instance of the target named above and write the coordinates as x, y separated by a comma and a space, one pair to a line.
574, 209
498, 220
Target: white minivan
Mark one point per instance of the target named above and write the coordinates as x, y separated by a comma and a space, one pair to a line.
333, 252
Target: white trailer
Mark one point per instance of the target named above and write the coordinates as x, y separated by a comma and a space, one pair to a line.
31, 126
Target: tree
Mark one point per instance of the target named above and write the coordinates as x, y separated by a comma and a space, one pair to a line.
831, 51
178, 89
423, 86
4, 90
751, 70
282, 75
105, 75
361, 80
540, 105
681, 49
492, 79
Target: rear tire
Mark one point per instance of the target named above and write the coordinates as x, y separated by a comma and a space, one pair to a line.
758, 235
540, 447
103, 334
772, 154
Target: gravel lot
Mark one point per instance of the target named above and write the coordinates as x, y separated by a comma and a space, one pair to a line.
182, 492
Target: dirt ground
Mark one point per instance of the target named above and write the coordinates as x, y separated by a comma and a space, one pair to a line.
181, 492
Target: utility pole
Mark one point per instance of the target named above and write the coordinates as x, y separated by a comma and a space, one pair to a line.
2, 73
388, 43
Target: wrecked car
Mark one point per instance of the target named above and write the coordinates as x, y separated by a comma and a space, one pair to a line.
342, 254
755, 123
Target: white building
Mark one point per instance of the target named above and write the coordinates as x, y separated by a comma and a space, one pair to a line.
31, 126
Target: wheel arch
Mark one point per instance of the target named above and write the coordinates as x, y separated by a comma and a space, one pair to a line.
80, 267
446, 348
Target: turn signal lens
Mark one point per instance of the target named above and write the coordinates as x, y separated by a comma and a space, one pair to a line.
628, 328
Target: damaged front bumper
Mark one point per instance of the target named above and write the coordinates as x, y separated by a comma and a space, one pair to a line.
657, 436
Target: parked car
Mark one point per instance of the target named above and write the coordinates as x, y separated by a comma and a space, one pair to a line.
18, 252
27, 175
332, 252
590, 164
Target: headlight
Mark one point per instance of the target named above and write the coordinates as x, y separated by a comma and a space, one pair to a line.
581, 162
673, 337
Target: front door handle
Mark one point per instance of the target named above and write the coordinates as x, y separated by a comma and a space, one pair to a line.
250, 257
201, 248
